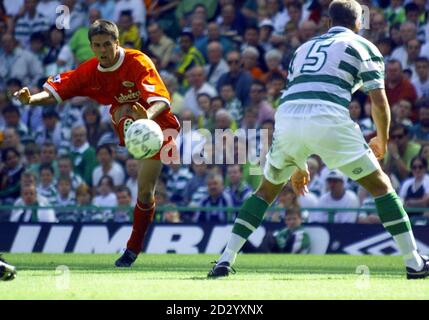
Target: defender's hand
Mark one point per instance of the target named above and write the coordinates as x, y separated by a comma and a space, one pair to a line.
23, 95
140, 111
378, 147
300, 179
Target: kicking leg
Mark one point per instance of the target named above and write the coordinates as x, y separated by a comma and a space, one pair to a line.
149, 171
395, 220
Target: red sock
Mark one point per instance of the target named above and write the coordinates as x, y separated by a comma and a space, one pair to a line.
143, 217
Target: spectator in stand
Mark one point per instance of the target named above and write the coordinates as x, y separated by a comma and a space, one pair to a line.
11, 139
250, 58
29, 197
198, 30
171, 214
316, 185
413, 47
48, 155
78, 16
401, 113
230, 21
83, 155
377, 28
240, 79
160, 45
400, 152
408, 31
273, 59
178, 177
365, 124
47, 186
10, 175
106, 8
51, 130
251, 39
198, 85
415, 190
420, 131
83, 201
132, 166
124, 211
65, 169
197, 181
37, 46
56, 38
94, 127
421, 81
395, 12
397, 86
12, 119
188, 58
216, 65
214, 35
337, 197
29, 21
231, 102
105, 198
293, 238
31, 154
65, 197
172, 85
275, 86
236, 187
216, 197
129, 33
259, 102
107, 166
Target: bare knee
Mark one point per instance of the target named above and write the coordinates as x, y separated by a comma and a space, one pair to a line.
268, 191
146, 196
377, 183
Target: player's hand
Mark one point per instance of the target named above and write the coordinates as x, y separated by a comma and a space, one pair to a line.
23, 95
140, 111
378, 147
300, 179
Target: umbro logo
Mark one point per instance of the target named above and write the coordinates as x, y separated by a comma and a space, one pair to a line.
357, 170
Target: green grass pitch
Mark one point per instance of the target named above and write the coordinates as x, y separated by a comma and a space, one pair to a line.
173, 276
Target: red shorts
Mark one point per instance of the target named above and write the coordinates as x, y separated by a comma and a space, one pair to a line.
166, 120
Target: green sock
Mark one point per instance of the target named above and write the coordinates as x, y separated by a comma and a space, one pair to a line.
250, 216
395, 220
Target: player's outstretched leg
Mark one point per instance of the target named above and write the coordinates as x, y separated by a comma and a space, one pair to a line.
248, 220
144, 210
395, 220
7, 271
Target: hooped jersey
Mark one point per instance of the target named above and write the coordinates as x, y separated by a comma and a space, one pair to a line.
133, 78
329, 68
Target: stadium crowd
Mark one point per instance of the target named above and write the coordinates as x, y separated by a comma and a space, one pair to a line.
225, 65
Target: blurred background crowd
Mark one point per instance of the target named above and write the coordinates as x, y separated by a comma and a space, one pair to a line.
225, 65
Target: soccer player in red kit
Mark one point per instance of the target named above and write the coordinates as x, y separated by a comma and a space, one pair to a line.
128, 81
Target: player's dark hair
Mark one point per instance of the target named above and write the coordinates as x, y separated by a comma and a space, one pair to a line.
345, 13
102, 26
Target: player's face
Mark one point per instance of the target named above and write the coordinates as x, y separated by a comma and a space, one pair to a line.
106, 49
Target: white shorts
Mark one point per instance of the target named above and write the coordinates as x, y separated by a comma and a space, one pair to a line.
302, 130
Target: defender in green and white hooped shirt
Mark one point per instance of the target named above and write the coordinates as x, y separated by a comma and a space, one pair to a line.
313, 119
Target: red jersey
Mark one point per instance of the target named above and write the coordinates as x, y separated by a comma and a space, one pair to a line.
133, 78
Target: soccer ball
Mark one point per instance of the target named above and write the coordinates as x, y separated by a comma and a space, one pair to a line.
144, 138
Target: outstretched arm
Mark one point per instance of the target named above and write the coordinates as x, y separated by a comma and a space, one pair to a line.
41, 98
